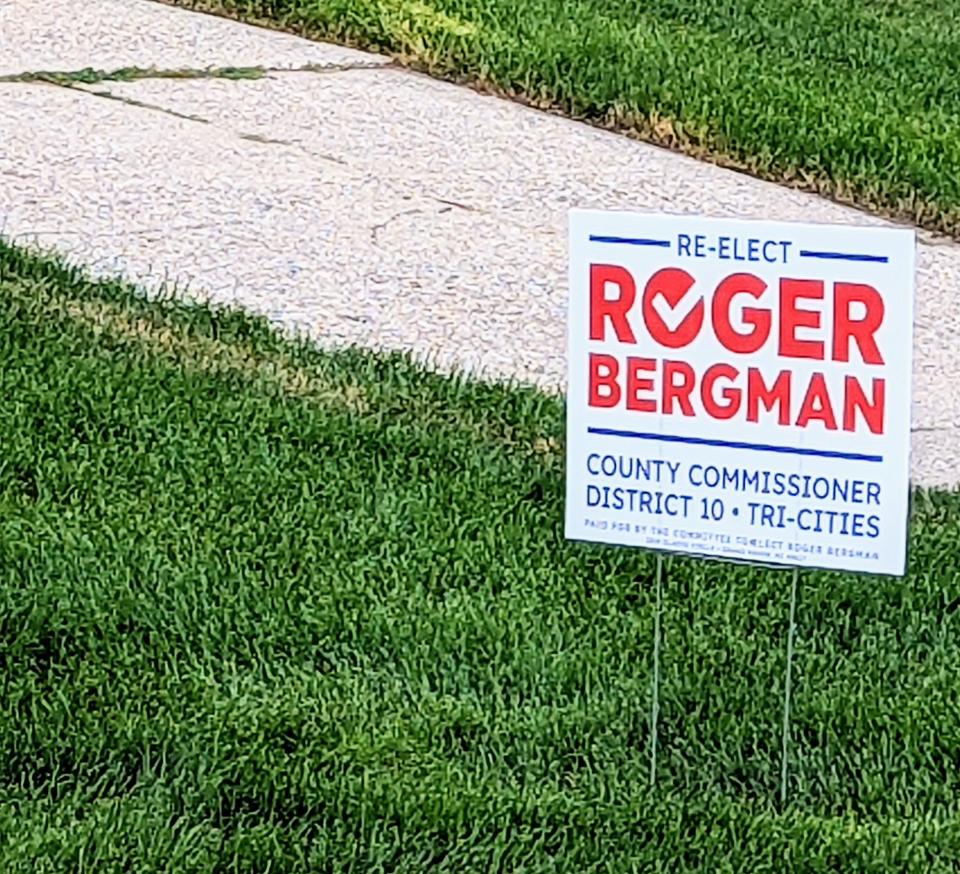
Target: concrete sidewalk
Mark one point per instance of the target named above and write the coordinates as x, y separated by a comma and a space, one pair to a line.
358, 202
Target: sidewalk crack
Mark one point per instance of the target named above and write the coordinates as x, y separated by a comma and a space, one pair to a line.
375, 230
140, 104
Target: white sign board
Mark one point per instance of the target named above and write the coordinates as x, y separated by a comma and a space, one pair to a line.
740, 389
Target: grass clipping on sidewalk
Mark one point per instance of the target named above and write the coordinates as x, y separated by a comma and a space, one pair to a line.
268, 608
857, 100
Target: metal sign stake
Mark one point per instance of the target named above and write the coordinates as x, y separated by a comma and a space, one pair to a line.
787, 686
655, 702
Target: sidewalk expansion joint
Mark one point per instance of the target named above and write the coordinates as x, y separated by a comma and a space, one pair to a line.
92, 76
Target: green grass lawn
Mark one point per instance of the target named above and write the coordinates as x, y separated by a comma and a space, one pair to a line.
269, 609
856, 98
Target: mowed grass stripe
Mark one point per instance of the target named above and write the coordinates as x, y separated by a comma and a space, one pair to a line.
268, 608
858, 100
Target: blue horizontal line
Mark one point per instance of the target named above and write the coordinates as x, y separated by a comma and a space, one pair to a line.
630, 241
731, 444
844, 256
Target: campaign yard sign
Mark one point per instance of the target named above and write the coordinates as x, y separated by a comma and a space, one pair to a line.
740, 389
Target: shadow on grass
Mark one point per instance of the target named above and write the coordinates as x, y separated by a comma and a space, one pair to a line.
265, 605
